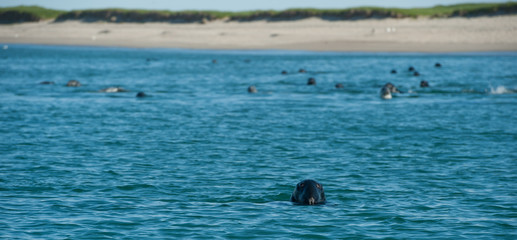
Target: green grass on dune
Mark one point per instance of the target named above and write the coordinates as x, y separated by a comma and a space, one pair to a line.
465, 9
39, 12
136, 15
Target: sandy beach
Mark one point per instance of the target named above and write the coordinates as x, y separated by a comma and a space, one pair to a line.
387, 35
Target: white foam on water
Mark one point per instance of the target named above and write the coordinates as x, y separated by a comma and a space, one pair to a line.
501, 90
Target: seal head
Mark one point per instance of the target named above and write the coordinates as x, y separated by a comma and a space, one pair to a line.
424, 84
252, 89
387, 89
73, 83
308, 192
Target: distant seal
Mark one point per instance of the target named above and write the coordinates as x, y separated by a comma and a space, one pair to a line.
301, 70
284, 72
416, 74
113, 89
339, 85
46, 83
311, 81
308, 192
411, 69
387, 89
393, 71
252, 89
141, 95
214, 61
438, 65
73, 83
424, 83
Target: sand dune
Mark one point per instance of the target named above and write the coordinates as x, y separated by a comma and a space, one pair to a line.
399, 35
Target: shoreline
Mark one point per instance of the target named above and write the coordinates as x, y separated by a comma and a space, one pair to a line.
465, 49
483, 34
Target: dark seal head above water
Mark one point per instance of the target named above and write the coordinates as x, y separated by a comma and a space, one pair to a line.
252, 89
311, 81
73, 83
387, 89
424, 83
308, 192
141, 95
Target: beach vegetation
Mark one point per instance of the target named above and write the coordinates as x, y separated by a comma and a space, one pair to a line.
34, 13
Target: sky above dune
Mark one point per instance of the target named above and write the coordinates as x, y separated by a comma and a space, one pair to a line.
230, 5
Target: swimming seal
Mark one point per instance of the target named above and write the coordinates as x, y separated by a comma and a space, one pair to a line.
387, 89
438, 65
113, 89
416, 74
424, 83
301, 70
411, 69
46, 83
252, 89
141, 95
339, 85
73, 83
393, 71
308, 192
284, 72
311, 81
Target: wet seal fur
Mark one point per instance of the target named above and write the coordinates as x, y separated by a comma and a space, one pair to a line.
73, 83
424, 84
308, 192
252, 89
387, 89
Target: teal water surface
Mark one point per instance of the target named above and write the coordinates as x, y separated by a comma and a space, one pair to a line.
202, 158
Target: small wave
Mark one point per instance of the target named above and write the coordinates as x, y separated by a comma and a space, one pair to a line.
501, 90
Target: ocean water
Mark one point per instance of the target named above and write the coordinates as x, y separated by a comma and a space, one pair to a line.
201, 158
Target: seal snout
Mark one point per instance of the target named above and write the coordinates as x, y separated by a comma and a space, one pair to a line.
308, 192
